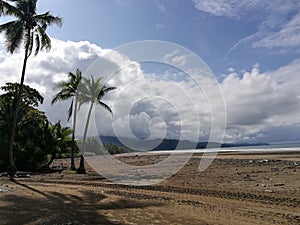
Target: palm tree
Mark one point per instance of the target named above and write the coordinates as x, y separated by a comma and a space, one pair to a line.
62, 137
69, 91
92, 91
28, 29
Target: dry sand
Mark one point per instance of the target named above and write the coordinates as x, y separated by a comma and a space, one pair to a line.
237, 188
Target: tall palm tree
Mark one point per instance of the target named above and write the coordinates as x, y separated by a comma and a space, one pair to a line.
92, 91
68, 90
29, 29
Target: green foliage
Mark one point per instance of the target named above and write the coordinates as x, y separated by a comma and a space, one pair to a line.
94, 147
91, 91
37, 141
115, 149
68, 90
30, 96
28, 27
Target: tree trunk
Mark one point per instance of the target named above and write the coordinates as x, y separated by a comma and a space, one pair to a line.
81, 168
87, 125
12, 167
73, 167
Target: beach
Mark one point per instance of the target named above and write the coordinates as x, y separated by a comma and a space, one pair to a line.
236, 188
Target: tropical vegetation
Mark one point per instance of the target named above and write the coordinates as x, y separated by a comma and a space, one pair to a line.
37, 142
68, 90
28, 140
93, 147
27, 30
91, 91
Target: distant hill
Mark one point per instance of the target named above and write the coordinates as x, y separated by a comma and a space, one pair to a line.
170, 144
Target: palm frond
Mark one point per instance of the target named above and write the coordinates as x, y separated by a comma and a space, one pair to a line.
107, 89
61, 85
48, 19
44, 38
9, 10
61, 96
105, 106
8, 25
27, 6
37, 44
82, 99
70, 110
29, 27
68, 89
13, 33
93, 91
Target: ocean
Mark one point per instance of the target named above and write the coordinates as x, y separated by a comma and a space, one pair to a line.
289, 147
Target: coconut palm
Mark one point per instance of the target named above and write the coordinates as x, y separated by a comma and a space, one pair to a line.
92, 91
68, 90
29, 30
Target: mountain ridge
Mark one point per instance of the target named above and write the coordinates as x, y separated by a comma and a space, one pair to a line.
172, 144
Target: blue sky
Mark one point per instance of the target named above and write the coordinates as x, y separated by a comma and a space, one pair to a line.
195, 25
251, 46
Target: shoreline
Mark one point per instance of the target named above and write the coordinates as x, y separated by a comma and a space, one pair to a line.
222, 151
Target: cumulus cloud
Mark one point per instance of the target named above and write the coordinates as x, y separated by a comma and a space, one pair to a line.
46, 69
258, 104
170, 104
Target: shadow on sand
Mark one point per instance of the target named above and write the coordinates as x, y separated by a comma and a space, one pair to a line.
37, 207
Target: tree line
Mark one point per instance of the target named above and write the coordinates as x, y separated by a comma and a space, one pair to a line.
37, 141
28, 140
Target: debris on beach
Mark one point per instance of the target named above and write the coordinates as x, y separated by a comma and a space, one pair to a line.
5, 189
264, 161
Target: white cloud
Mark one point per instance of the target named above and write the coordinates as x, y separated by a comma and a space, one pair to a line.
231, 69
176, 58
287, 36
279, 29
259, 105
246, 96
279, 32
45, 69
228, 8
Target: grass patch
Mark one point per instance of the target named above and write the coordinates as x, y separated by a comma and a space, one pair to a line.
69, 171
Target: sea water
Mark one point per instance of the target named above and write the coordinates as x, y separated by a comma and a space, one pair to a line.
289, 147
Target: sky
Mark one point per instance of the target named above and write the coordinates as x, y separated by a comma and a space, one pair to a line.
247, 77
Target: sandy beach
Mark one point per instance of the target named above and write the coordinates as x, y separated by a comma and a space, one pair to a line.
237, 188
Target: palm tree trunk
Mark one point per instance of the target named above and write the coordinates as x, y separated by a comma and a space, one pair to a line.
87, 124
81, 169
73, 136
12, 167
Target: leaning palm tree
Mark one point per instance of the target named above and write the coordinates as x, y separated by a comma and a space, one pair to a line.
29, 29
68, 90
92, 91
